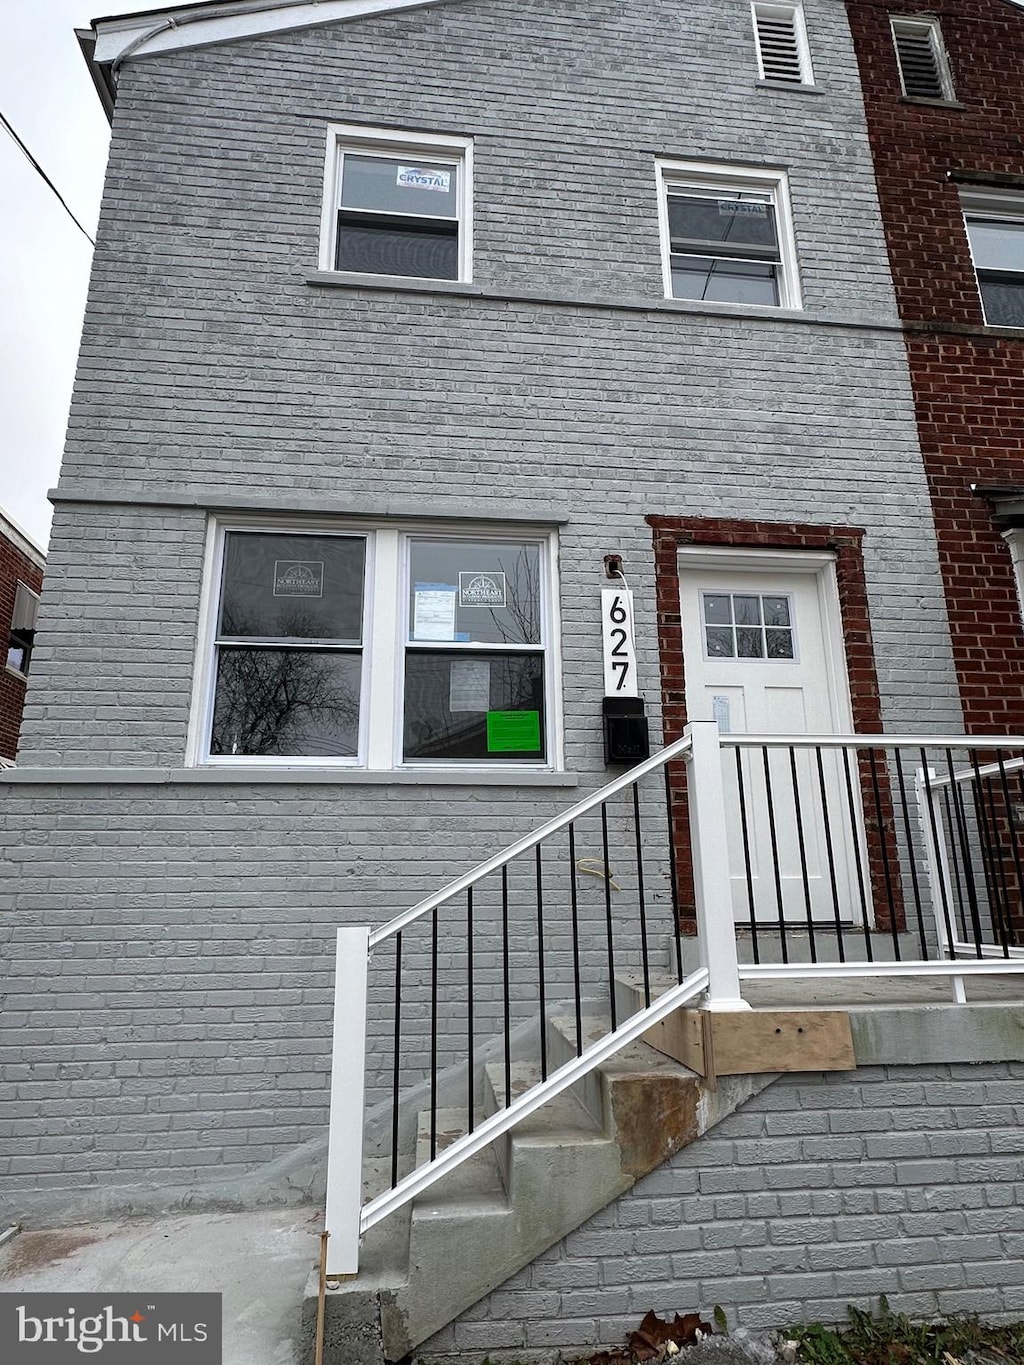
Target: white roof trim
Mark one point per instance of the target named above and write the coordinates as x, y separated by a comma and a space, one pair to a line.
21, 540
166, 31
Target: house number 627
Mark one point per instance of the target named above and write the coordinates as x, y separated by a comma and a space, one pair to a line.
617, 636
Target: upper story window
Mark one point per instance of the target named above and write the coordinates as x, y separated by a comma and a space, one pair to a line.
783, 53
397, 204
922, 61
727, 235
1015, 540
377, 648
995, 229
23, 629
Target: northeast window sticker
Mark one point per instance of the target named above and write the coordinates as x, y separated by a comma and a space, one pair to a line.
298, 578
482, 590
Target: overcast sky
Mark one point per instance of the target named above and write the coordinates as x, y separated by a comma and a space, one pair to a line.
47, 95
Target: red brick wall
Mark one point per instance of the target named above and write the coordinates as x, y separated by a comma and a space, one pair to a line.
968, 379
846, 543
14, 566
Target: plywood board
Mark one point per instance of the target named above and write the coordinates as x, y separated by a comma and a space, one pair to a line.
744, 1042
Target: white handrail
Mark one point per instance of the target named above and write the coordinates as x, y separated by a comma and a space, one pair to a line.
1011, 765
532, 1100
877, 741
677, 749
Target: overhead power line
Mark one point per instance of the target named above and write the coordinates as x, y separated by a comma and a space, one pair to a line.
35, 164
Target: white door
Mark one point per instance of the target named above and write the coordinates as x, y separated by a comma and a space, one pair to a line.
759, 659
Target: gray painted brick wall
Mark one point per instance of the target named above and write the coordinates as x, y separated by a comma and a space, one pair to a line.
821, 1191
211, 368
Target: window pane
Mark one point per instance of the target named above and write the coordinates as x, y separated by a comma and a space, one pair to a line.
698, 277
747, 610
289, 703
475, 592
1004, 302
720, 643
997, 245
748, 643
776, 611
391, 249
739, 220
493, 711
779, 643
293, 587
17, 657
428, 189
717, 609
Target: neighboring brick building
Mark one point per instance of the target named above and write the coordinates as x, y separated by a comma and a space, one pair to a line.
949, 161
21, 581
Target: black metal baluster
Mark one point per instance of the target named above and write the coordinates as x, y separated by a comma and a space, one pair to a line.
883, 843
574, 901
540, 968
830, 853
397, 1059
775, 853
801, 846
748, 870
470, 1098
644, 953
608, 916
672, 872
908, 832
858, 853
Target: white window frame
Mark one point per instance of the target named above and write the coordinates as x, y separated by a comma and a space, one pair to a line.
22, 594
730, 180
398, 144
994, 205
923, 24
385, 631
1015, 539
795, 13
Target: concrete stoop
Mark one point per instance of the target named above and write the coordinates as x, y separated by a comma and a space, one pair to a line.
495, 1214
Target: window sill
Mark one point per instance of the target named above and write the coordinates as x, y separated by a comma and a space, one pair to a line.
16, 673
341, 279
610, 303
157, 777
792, 87
938, 327
934, 104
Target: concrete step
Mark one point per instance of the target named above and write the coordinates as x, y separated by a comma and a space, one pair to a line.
495, 1214
476, 1179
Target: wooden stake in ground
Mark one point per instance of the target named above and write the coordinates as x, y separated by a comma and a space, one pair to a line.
321, 1301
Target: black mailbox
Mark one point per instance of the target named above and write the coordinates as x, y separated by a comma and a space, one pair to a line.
625, 730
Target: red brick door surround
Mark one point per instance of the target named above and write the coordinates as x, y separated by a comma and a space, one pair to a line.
846, 543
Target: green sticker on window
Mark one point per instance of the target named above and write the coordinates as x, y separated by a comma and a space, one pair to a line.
513, 732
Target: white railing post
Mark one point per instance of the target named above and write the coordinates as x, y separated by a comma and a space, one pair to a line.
716, 930
940, 884
348, 1083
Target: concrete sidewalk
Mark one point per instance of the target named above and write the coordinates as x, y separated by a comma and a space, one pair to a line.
259, 1262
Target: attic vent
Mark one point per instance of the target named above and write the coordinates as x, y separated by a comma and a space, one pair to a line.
782, 51
924, 71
